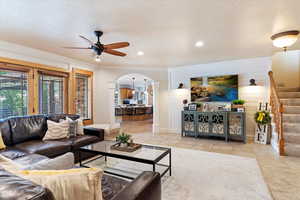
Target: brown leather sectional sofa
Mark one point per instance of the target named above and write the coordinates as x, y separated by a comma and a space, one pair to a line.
23, 138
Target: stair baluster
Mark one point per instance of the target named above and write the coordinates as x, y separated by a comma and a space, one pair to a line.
277, 110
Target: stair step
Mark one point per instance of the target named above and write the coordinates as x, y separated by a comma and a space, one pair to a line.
292, 149
291, 109
293, 138
291, 118
291, 102
287, 89
289, 94
291, 127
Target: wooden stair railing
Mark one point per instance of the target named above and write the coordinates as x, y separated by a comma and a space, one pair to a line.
277, 110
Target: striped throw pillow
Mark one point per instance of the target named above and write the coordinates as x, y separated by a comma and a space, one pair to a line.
57, 130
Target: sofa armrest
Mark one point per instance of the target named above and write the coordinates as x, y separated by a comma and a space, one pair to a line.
94, 131
14, 187
146, 186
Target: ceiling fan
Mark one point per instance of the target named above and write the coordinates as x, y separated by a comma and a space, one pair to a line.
98, 47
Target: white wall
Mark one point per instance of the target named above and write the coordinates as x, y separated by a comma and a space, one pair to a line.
286, 68
256, 68
104, 80
15, 51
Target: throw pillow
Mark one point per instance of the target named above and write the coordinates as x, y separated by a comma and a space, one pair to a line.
57, 130
2, 145
80, 183
79, 125
73, 127
65, 161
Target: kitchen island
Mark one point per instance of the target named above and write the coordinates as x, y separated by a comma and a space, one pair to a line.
134, 112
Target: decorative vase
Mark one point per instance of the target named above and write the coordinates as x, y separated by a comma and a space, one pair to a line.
236, 107
123, 144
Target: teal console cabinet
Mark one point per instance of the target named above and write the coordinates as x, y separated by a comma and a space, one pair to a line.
224, 124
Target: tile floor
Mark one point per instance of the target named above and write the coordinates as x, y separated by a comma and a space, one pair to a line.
282, 174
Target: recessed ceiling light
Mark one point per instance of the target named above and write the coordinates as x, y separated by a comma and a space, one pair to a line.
140, 53
199, 44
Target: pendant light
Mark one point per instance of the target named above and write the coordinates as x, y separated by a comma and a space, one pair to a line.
133, 91
145, 86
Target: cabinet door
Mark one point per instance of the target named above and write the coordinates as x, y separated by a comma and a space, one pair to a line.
203, 123
188, 122
219, 123
123, 93
237, 126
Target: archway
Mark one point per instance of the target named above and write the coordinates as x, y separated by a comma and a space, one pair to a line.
134, 103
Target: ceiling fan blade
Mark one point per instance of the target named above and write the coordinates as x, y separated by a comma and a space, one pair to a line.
114, 52
77, 47
89, 41
116, 45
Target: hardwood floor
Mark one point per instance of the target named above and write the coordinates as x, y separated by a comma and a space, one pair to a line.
282, 174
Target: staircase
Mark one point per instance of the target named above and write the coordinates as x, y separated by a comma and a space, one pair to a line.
290, 98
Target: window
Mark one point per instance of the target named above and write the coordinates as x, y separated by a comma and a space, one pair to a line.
82, 95
51, 97
13, 93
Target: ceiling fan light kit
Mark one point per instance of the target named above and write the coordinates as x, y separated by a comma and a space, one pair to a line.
98, 58
285, 39
99, 48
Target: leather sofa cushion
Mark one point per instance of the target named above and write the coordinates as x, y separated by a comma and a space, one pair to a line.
57, 117
5, 132
27, 128
30, 159
14, 187
13, 153
49, 148
83, 140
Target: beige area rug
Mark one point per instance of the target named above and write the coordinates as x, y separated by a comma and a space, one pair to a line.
199, 175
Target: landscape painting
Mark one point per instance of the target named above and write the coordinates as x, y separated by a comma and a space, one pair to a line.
214, 89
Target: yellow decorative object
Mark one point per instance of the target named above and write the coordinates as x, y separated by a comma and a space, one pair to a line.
261, 116
79, 183
2, 145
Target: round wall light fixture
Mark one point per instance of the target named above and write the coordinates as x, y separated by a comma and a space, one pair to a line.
285, 39
180, 86
252, 82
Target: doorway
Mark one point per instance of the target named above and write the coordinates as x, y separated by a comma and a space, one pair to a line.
133, 103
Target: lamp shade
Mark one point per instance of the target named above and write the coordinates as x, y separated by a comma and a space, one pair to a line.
285, 39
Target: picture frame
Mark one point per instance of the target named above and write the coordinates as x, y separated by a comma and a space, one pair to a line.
193, 107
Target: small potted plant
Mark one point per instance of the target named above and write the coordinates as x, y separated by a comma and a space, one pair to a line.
199, 106
123, 139
238, 104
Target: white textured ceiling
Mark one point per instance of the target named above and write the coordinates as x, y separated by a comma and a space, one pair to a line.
165, 30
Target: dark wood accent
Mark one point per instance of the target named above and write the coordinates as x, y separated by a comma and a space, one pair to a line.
293, 32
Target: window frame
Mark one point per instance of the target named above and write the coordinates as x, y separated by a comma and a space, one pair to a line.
73, 95
65, 77
33, 70
15, 68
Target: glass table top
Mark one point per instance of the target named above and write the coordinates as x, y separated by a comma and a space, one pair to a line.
146, 152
